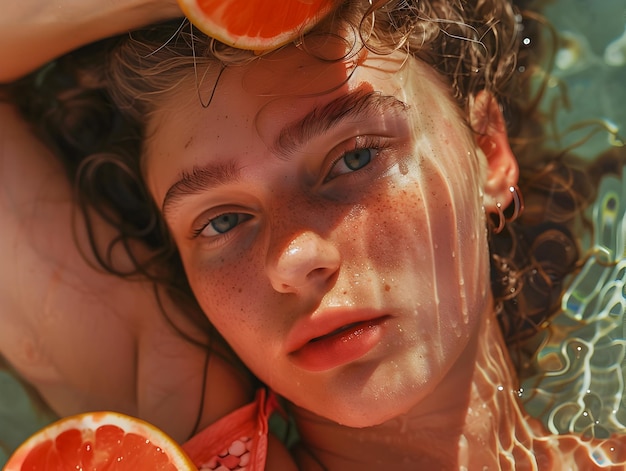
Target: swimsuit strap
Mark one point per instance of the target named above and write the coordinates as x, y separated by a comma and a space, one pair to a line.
237, 441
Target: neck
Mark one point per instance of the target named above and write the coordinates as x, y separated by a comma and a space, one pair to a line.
468, 421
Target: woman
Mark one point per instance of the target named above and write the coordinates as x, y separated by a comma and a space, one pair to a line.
330, 203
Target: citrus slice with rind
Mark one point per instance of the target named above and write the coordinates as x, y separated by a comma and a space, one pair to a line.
99, 441
256, 25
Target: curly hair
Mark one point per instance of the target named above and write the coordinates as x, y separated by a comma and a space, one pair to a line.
473, 44
92, 106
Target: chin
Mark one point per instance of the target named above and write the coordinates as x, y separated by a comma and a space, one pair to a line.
366, 422
370, 411
372, 419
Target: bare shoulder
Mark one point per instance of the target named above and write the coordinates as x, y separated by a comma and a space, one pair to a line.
85, 338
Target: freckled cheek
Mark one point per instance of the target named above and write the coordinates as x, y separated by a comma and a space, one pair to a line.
389, 232
226, 289
412, 228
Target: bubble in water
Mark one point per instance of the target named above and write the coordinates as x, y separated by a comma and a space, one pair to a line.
615, 52
575, 53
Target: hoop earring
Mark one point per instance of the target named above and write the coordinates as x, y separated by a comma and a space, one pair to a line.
501, 219
518, 209
518, 203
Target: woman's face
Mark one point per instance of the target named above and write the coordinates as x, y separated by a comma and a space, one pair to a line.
331, 225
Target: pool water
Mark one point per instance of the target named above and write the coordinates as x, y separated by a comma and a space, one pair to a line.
587, 83
578, 374
21, 412
590, 67
581, 365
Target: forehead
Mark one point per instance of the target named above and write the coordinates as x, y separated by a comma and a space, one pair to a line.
236, 110
292, 77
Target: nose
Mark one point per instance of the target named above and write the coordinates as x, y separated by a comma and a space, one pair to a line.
308, 263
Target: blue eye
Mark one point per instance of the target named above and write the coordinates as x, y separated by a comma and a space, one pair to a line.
223, 224
358, 158
352, 161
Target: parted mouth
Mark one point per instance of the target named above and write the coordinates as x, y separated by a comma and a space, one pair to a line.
339, 346
330, 323
341, 330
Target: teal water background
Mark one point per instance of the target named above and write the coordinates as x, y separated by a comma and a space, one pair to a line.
578, 375
588, 81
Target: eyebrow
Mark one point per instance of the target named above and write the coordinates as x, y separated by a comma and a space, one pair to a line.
199, 179
358, 103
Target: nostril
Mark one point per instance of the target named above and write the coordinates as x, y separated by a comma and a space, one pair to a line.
322, 274
308, 262
316, 277
319, 272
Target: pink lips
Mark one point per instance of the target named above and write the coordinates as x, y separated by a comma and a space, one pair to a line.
334, 338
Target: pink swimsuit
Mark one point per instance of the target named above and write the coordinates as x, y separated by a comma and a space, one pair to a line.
237, 441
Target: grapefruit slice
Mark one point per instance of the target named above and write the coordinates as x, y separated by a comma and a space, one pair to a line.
257, 25
99, 441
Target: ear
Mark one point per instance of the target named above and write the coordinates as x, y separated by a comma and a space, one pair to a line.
502, 171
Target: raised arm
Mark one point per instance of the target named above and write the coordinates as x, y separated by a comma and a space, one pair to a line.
85, 339
33, 32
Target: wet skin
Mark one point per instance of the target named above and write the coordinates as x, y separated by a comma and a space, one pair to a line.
298, 213
86, 339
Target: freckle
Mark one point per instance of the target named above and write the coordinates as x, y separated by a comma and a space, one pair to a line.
239, 290
345, 292
387, 287
404, 168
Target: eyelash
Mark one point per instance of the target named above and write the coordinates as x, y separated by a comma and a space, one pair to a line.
222, 237
379, 144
